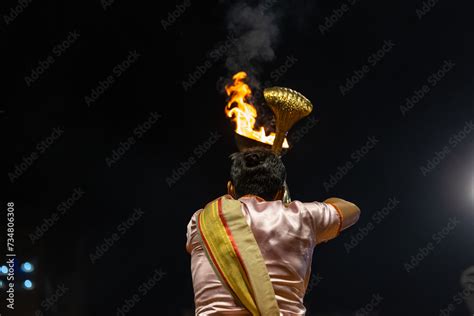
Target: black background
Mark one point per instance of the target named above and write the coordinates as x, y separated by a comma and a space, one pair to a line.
154, 83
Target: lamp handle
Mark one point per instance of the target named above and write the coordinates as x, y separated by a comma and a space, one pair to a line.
286, 194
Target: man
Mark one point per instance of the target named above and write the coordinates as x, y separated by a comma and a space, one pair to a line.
250, 253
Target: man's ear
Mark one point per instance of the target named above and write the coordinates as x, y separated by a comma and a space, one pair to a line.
279, 194
230, 189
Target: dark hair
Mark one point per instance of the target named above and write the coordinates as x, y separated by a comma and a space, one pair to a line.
257, 171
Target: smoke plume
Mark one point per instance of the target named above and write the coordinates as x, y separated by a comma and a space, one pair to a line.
255, 27
257, 34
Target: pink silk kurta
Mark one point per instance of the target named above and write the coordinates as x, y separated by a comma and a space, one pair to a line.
286, 237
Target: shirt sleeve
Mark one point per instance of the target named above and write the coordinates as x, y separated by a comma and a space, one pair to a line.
326, 220
191, 232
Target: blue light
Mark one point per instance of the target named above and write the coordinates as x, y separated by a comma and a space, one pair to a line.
3, 270
27, 267
28, 284
2, 285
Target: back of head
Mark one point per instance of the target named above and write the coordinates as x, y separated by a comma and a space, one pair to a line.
257, 171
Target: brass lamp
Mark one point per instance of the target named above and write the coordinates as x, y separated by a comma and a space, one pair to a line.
289, 107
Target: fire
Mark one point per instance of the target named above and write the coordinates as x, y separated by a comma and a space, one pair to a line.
243, 113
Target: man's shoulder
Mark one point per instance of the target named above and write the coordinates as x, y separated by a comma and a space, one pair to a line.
194, 216
191, 231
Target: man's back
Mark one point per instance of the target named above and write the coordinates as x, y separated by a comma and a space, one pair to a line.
286, 236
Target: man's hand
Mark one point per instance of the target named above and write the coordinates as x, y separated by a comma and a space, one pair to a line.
349, 211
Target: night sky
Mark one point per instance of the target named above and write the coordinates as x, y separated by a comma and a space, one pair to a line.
115, 134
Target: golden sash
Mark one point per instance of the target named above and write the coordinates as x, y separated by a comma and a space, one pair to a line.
235, 256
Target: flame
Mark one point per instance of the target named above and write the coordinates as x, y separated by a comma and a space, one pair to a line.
243, 113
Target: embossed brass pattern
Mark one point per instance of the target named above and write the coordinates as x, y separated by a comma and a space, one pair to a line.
289, 107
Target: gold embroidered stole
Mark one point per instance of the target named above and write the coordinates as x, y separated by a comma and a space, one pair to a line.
235, 256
